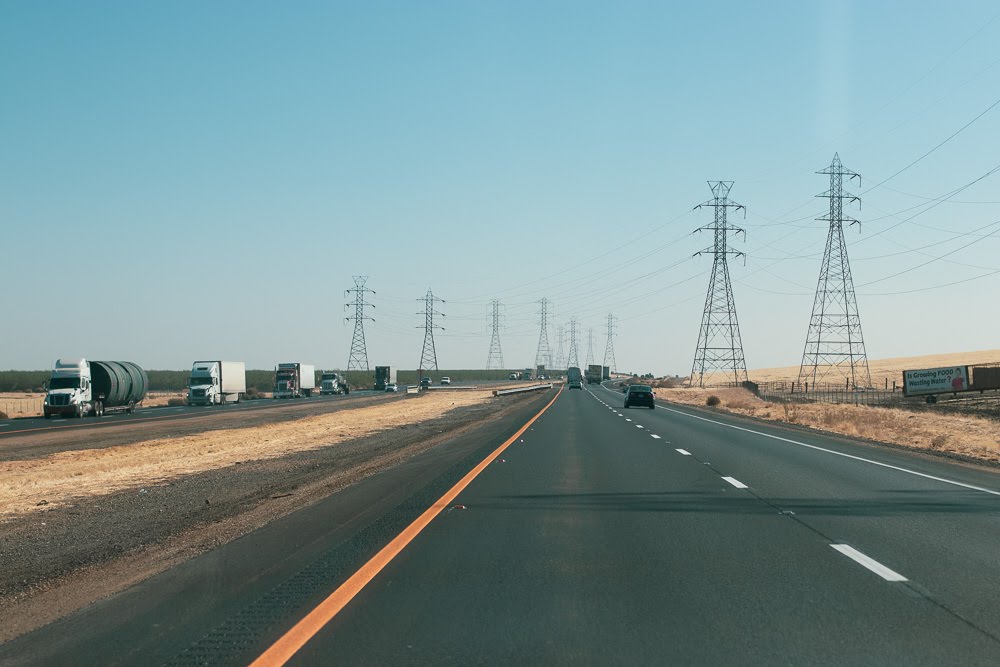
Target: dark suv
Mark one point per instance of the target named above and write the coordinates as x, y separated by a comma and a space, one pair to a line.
639, 394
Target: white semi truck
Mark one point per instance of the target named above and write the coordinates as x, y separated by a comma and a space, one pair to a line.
332, 382
217, 382
78, 387
294, 380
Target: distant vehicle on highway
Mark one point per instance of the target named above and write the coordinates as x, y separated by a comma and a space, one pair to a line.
446, 380
217, 382
425, 382
383, 376
574, 378
332, 382
512, 376
640, 394
294, 380
392, 386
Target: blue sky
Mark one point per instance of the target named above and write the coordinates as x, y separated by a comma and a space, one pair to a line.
196, 180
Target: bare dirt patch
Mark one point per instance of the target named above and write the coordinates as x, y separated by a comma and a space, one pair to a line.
971, 437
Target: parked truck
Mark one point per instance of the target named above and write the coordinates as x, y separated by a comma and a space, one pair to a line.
384, 375
594, 373
332, 382
78, 387
573, 377
217, 382
294, 380
607, 372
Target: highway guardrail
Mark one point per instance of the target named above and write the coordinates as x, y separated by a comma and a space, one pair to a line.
519, 390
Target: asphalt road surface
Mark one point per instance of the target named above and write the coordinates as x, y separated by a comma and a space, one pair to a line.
600, 535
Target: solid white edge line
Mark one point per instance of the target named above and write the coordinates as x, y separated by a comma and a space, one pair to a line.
735, 482
870, 563
831, 451
683, 451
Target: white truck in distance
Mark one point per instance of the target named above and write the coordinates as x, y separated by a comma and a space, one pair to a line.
294, 380
217, 382
332, 382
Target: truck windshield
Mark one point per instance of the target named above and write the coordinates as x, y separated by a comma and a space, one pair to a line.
64, 383
197, 380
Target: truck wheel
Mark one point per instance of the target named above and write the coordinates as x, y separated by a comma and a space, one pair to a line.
131, 407
238, 397
98, 409
347, 390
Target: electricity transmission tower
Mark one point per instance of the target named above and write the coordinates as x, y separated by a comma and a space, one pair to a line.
834, 344
358, 360
543, 356
719, 355
428, 357
609, 349
590, 346
495, 358
560, 354
573, 359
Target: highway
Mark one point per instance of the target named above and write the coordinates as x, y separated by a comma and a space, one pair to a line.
597, 535
10, 427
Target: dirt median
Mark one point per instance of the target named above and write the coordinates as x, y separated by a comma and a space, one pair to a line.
134, 513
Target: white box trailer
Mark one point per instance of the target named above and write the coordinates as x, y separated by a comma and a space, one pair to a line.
294, 380
217, 382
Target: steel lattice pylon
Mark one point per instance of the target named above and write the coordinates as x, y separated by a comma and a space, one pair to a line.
543, 356
835, 346
719, 355
609, 348
495, 358
590, 346
428, 356
560, 354
573, 359
358, 361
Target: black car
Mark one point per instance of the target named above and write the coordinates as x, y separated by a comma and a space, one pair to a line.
639, 394
425, 382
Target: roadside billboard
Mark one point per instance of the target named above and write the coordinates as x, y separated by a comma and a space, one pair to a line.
936, 380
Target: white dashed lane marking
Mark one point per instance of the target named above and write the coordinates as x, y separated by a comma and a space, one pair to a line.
870, 563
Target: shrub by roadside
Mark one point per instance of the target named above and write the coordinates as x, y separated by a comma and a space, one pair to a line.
174, 402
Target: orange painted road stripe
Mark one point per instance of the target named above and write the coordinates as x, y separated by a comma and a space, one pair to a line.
282, 650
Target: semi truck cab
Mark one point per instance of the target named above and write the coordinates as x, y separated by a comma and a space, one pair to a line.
203, 387
69, 390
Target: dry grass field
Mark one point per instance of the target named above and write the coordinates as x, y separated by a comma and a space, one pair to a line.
974, 437
47, 482
889, 369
